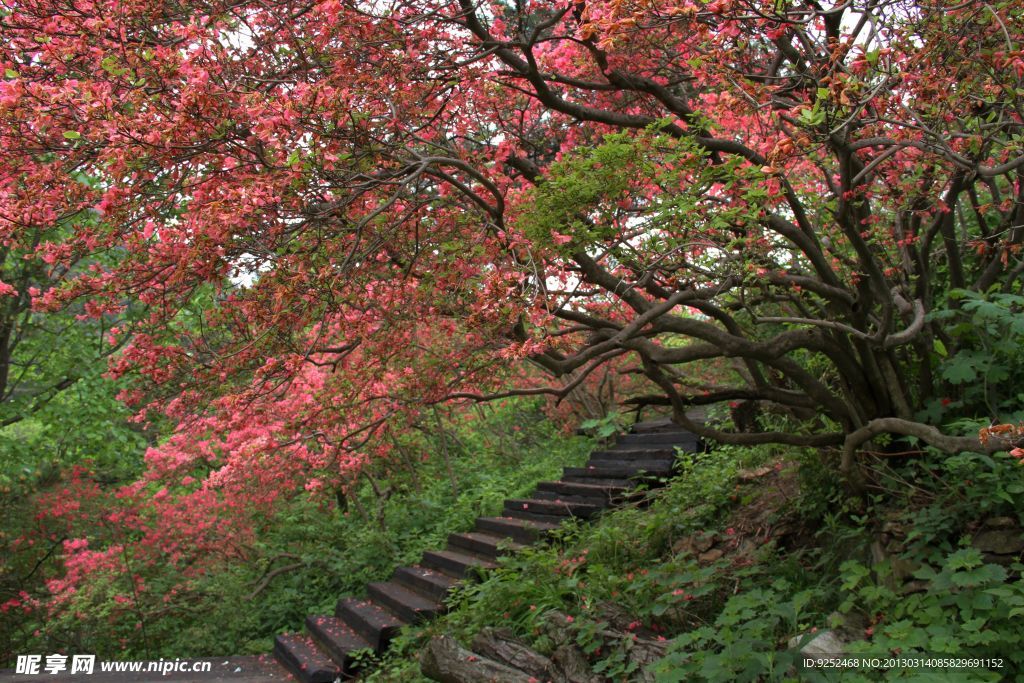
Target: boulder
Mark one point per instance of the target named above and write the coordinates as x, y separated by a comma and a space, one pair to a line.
824, 643
501, 646
569, 665
999, 541
444, 660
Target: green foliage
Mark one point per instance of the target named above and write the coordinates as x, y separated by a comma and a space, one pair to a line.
84, 422
958, 603
606, 426
742, 644
57, 408
986, 370
591, 196
965, 608
581, 185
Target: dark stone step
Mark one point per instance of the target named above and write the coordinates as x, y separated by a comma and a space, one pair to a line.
373, 622
615, 471
533, 516
610, 493
552, 508
456, 563
485, 544
300, 655
635, 454
594, 480
412, 606
521, 530
426, 580
685, 440
556, 496
339, 640
659, 425
417, 593
659, 466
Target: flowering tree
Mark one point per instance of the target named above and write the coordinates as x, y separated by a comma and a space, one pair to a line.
333, 213
301, 223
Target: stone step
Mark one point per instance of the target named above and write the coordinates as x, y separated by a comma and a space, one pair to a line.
482, 543
594, 480
520, 530
418, 593
426, 580
455, 563
338, 640
610, 493
533, 515
373, 622
685, 440
301, 657
410, 605
634, 454
552, 508
616, 471
657, 425
556, 496
661, 465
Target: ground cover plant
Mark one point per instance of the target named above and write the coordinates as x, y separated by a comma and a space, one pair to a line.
773, 555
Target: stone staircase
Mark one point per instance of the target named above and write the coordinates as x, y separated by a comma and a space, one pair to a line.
329, 649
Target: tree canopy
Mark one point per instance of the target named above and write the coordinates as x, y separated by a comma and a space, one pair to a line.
305, 222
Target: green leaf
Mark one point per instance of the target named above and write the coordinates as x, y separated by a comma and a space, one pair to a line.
966, 558
72, 135
959, 371
11, 73
813, 116
940, 348
110, 65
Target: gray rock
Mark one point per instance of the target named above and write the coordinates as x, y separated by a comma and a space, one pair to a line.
644, 653
570, 665
999, 541
695, 544
711, 556
823, 643
444, 660
501, 646
1001, 523
554, 627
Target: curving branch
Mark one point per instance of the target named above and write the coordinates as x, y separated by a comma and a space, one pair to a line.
927, 433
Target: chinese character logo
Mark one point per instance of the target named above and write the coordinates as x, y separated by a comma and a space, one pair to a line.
83, 664
28, 664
